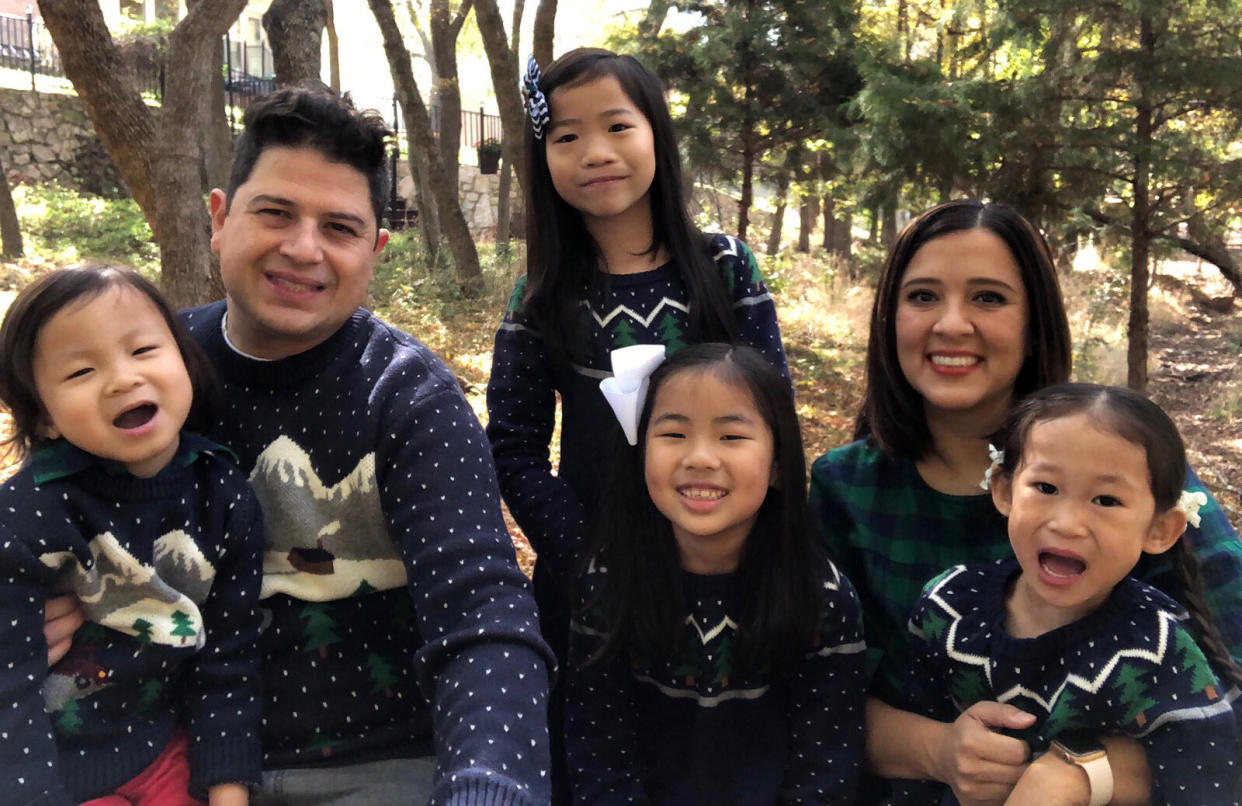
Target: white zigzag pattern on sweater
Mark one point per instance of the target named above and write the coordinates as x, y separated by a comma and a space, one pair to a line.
1089, 685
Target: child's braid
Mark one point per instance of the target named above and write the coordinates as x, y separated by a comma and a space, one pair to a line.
1187, 568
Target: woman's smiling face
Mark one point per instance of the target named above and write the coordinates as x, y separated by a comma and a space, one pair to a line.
961, 324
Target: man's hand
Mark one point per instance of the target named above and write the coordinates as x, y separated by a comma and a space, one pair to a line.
61, 618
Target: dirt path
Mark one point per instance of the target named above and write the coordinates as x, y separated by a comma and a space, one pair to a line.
1197, 378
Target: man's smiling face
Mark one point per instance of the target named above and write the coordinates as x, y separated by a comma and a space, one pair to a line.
297, 245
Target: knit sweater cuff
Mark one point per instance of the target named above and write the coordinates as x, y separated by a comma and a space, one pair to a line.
231, 762
478, 788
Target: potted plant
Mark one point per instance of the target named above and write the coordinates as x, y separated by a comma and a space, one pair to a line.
489, 155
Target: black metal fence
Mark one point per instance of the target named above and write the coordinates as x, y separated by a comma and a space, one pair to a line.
475, 126
26, 45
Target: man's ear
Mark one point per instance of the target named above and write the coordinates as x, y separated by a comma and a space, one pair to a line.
219, 209
381, 240
1164, 531
1001, 486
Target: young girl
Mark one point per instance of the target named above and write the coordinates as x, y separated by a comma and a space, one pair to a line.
612, 260
967, 321
156, 533
1091, 480
714, 657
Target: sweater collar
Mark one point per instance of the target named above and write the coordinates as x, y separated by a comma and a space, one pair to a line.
282, 372
58, 459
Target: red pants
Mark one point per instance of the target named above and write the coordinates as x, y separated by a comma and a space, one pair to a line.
165, 783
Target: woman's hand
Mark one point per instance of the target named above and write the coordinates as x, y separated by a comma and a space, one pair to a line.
978, 763
61, 618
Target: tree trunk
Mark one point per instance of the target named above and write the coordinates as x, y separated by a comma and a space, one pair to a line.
778, 217
1140, 226
806, 222
334, 48
216, 139
653, 20
418, 123
444, 31
843, 239
420, 165
152, 150
514, 158
544, 31
10, 231
888, 224
503, 61
829, 208
748, 190
295, 29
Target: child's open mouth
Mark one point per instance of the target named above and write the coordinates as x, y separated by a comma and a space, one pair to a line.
1061, 565
136, 417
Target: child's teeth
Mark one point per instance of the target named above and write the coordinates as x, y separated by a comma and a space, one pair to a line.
702, 495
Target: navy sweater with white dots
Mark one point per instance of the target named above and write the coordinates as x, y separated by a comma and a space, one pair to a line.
649, 307
694, 730
167, 569
1129, 667
389, 577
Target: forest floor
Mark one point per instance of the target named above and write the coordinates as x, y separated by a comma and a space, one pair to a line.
1196, 349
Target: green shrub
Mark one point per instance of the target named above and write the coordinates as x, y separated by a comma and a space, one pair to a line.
67, 227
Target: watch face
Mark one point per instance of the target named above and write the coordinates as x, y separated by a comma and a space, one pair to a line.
1079, 745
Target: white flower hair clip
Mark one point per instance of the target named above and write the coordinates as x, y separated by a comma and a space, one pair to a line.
1190, 503
626, 390
998, 458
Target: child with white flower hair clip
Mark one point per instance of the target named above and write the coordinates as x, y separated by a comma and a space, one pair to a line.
1090, 479
715, 655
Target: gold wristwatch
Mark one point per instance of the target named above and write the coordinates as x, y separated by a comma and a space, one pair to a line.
1089, 753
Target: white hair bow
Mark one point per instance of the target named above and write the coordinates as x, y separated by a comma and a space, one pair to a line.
1190, 503
626, 390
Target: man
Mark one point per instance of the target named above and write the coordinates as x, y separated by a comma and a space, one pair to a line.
372, 471
397, 611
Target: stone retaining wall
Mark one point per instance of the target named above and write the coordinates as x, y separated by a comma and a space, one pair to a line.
479, 195
46, 137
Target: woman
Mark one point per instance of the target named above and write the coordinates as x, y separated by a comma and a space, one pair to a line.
967, 319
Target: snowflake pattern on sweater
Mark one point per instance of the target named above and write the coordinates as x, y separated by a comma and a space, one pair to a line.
396, 610
167, 571
692, 730
1129, 667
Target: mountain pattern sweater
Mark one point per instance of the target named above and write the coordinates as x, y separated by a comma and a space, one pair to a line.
167, 570
398, 621
1129, 667
695, 731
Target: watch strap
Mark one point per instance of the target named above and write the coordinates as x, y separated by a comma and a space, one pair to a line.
1100, 777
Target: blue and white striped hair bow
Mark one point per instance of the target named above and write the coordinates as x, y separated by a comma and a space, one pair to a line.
536, 101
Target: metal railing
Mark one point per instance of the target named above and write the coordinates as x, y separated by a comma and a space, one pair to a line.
26, 45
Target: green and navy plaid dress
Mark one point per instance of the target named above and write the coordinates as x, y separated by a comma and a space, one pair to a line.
889, 532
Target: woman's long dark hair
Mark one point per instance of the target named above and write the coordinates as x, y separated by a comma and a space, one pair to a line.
892, 410
1135, 419
561, 256
642, 598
